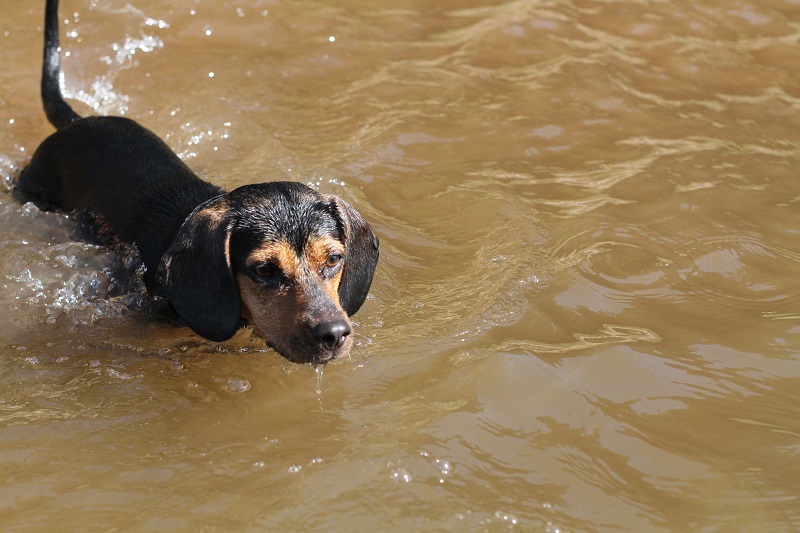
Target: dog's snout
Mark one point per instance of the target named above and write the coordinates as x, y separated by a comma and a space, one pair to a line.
331, 334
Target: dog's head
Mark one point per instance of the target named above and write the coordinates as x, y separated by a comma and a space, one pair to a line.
291, 261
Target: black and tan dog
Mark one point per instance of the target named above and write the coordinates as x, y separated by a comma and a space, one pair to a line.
292, 262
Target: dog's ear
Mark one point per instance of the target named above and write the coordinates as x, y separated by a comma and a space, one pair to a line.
195, 273
361, 256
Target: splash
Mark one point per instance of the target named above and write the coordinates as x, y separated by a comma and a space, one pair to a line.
47, 274
101, 96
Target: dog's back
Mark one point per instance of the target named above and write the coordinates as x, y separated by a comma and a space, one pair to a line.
111, 166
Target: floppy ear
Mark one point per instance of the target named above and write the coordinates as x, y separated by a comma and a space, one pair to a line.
196, 275
361, 256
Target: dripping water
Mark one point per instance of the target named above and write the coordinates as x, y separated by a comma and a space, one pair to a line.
319, 369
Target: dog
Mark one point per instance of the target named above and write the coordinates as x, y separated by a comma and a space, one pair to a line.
292, 262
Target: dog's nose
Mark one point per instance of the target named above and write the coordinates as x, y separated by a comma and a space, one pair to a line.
331, 334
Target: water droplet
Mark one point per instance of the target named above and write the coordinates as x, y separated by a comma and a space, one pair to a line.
294, 469
505, 517
550, 528
443, 465
237, 385
319, 369
401, 475
114, 373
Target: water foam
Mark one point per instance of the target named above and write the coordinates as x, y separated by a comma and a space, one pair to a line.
46, 273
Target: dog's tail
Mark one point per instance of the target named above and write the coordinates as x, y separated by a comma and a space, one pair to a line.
58, 112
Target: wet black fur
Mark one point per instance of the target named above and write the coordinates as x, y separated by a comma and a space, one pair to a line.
125, 175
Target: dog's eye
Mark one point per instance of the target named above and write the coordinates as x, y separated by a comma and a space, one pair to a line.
333, 260
265, 270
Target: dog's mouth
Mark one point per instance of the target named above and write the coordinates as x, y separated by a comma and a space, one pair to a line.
306, 349
320, 356
318, 338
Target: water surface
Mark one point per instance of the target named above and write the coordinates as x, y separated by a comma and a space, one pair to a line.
587, 312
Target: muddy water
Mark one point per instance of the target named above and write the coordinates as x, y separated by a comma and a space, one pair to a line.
586, 315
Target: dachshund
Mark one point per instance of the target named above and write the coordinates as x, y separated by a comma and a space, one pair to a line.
292, 262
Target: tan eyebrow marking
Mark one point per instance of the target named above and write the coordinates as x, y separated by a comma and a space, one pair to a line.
313, 259
280, 253
318, 250
316, 255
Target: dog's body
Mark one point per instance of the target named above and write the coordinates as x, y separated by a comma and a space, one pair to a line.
291, 261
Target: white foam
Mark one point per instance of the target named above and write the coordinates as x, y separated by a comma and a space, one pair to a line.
122, 55
45, 273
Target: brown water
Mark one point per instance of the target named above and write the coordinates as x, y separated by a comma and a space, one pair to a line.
587, 311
